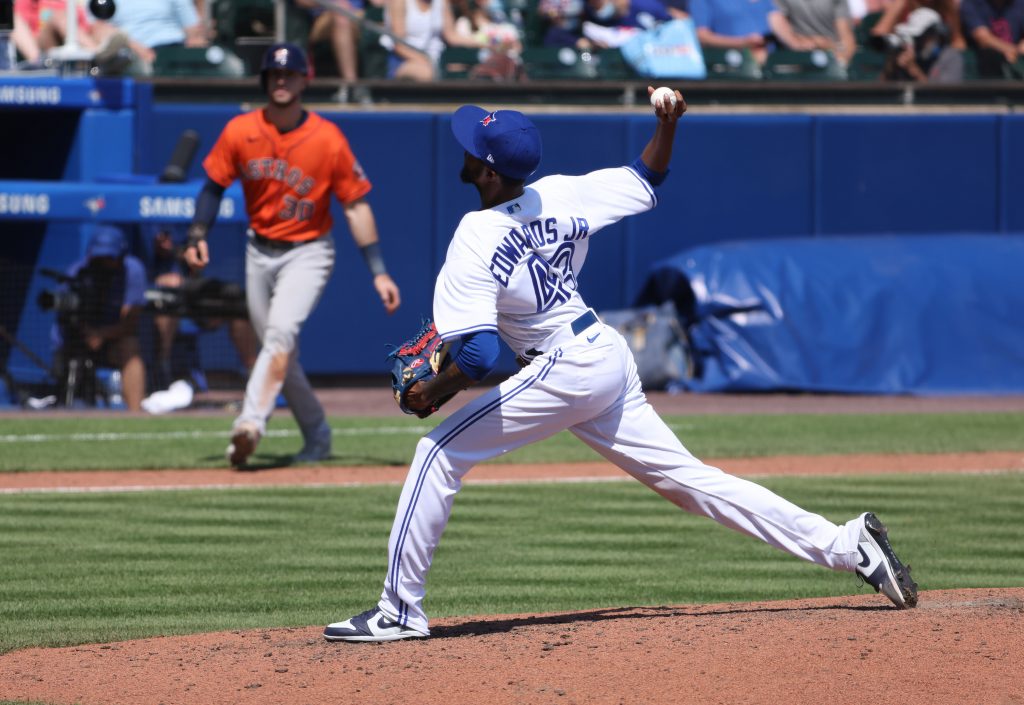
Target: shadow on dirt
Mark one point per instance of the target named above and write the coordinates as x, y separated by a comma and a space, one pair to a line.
502, 626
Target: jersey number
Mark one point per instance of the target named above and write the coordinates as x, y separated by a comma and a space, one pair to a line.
549, 288
300, 209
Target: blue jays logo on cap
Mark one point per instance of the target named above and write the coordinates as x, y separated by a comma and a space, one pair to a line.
505, 139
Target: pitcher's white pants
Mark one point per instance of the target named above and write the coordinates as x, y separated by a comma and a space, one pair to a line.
591, 388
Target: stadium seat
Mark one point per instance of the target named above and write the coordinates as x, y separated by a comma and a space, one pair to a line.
457, 62
816, 65
373, 58
1014, 72
731, 64
560, 63
568, 63
862, 32
243, 18
212, 61
614, 65
866, 65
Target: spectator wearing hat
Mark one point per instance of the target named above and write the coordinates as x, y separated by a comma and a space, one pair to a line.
102, 328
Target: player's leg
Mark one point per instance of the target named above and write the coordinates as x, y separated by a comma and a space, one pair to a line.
300, 284
554, 392
260, 274
311, 268
634, 437
127, 354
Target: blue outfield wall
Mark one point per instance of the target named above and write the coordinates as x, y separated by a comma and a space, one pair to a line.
749, 177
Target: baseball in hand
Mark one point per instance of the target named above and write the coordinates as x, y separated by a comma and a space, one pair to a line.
665, 97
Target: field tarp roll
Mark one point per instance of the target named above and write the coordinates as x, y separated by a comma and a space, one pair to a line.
861, 314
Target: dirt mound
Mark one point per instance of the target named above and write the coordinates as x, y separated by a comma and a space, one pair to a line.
956, 647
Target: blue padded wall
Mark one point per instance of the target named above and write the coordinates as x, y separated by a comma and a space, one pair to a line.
748, 177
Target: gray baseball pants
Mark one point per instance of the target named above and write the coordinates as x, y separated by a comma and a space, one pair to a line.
282, 289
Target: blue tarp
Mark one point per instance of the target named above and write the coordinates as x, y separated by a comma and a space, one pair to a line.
868, 314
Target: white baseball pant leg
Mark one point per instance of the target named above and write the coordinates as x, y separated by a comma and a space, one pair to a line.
282, 289
592, 389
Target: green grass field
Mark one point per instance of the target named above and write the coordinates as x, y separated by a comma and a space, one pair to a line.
97, 567
190, 442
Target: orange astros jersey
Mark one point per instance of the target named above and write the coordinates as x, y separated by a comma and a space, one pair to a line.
287, 179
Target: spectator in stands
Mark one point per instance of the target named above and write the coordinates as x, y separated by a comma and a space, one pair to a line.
342, 32
610, 23
678, 9
103, 327
149, 27
426, 27
923, 40
563, 21
487, 22
41, 25
996, 31
804, 25
859, 9
644, 14
734, 24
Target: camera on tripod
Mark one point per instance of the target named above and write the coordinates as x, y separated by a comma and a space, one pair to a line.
68, 301
199, 299
891, 43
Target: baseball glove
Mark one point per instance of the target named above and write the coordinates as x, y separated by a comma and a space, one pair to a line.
419, 359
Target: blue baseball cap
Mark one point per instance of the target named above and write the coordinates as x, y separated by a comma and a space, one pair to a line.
106, 241
504, 139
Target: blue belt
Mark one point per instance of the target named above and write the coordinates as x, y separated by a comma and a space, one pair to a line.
583, 322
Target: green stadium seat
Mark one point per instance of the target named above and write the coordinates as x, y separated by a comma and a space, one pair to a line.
866, 65
731, 64
563, 63
1014, 72
862, 32
243, 18
816, 65
457, 62
373, 58
614, 66
212, 61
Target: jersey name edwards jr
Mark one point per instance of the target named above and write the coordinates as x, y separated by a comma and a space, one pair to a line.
529, 237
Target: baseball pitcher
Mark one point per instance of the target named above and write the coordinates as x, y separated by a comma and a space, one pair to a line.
511, 272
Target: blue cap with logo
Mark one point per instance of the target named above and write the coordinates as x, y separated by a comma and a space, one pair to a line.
504, 139
106, 241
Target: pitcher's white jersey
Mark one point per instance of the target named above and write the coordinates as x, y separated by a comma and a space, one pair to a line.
513, 268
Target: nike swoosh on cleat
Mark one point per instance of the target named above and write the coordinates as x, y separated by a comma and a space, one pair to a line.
866, 563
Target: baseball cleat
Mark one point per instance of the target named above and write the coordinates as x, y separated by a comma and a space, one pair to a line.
371, 625
317, 447
243, 444
880, 567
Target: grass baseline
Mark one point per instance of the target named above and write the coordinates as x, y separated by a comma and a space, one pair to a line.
139, 443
